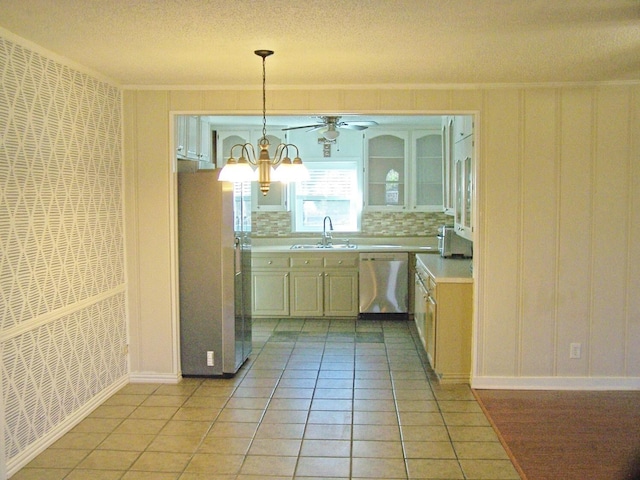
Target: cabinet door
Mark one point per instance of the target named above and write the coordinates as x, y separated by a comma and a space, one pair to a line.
193, 136
306, 294
449, 166
464, 188
205, 142
420, 309
270, 293
181, 136
341, 293
431, 331
386, 171
427, 178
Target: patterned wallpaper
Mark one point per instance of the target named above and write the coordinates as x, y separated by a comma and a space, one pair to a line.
62, 297
386, 224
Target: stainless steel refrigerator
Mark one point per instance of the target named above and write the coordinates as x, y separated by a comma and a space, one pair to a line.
214, 223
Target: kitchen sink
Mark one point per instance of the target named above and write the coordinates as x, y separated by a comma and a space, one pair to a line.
307, 246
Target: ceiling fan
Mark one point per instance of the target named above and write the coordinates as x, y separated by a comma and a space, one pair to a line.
332, 123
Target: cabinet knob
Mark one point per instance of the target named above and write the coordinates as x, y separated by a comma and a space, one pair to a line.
306, 262
339, 262
270, 262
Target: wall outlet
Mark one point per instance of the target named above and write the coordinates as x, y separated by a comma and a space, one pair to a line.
210, 358
575, 350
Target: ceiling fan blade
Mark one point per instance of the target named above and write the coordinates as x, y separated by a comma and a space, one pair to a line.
350, 126
305, 126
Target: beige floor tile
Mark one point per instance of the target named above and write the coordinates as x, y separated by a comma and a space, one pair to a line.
265, 465
434, 469
174, 444
225, 445
323, 467
183, 388
80, 440
196, 414
184, 427
386, 468
421, 418
325, 448
109, 460
240, 415
276, 447
480, 450
154, 413
113, 411
233, 429
249, 403
329, 418
59, 458
126, 442
41, 474
125, 399
210, 463
333, 393
466, 419
472, 434
375, 418
285, 416
79, 474
290, 404
429, 450
97, 425
161, 462
280, 430
377, 449
334, 383
131, 475
468, 406
335, 431
165, 401
493, 469
373, 394
417, 406
374, 405
138, 426
376, 432
428, 433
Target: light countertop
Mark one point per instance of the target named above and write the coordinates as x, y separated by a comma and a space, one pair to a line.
385, 244
451, 270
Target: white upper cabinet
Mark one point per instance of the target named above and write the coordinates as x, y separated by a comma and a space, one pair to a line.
465, 185
404, 170
449, 177
386, 166
194, 140
427, 170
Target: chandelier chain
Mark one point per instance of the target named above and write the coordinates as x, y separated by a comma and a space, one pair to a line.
264, 99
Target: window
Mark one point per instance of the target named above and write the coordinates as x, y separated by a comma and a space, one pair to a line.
334, 190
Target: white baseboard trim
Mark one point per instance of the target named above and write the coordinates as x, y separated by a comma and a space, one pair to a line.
556, 383
36, 448
146, 377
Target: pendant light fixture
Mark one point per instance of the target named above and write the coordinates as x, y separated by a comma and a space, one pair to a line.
281, 168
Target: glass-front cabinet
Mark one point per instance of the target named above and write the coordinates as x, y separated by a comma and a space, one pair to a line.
427, 185
386, 170
464, 188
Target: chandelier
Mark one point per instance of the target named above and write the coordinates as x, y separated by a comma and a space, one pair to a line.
279, 169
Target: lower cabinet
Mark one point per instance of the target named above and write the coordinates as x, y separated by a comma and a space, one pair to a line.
305, 285
444, 318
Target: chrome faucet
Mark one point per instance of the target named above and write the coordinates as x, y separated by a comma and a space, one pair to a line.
326, 237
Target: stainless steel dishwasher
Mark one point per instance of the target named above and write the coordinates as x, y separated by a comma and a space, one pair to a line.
384, 282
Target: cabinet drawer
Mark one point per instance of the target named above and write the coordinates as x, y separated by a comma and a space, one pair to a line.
431, 285
341, 261
269, 262
306, 262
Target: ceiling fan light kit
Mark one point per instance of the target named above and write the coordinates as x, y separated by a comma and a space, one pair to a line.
281, 168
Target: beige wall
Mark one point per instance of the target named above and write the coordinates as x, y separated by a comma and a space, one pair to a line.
558, 217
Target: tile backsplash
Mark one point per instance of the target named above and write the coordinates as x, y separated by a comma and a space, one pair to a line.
386, 224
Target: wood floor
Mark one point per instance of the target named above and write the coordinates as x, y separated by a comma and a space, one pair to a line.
567, 435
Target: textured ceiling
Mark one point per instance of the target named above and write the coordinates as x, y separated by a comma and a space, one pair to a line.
338, 42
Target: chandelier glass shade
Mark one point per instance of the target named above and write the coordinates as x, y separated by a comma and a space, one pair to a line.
281, 168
